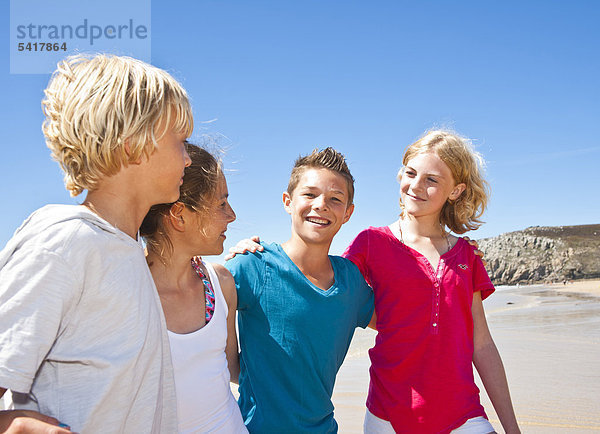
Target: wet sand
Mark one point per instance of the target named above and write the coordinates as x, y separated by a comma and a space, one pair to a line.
549, 339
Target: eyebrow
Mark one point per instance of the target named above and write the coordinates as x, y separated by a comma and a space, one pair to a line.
438, 175
312, 187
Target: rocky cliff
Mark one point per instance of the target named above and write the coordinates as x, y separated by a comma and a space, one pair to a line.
542, 254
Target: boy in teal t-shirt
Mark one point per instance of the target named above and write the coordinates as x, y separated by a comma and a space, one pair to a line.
298, 307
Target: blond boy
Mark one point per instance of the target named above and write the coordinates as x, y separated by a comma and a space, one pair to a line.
82, 333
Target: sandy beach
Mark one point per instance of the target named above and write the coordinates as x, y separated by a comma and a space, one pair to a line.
549, 339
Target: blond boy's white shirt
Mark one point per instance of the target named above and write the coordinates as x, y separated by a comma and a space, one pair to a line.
82, 333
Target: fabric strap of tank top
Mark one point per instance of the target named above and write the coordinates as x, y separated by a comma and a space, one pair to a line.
209, 293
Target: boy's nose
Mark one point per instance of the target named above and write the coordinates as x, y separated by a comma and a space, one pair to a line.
319, 202
186, 157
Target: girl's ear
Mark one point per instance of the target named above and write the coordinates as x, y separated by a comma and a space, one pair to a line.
457, 191
175, 216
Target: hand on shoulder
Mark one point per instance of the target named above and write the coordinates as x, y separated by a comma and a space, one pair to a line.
476, 251
246, 245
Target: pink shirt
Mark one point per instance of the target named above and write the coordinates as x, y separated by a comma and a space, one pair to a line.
421, 365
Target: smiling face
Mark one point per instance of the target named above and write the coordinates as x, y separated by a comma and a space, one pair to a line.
318, 206
426, 184
208, 229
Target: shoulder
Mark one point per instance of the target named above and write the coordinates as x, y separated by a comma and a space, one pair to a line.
351, 282
368, 240
342, 263
223, 274
465, 249
64, 244
372, 231
226, 283
86, 250
464, 253
361, 241
249, 273
53, 237
375, 234
252, 261
63, 228
347, 270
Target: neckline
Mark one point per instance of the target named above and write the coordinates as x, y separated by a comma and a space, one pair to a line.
453, 250
445, 234
329, 290
211, 276
108, 226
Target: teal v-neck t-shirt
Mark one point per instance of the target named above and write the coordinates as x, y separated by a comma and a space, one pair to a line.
293, 337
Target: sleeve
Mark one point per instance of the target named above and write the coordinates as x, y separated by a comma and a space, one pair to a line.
37, 289
481, 279
246, 271
363, 296
367, 305
358, 251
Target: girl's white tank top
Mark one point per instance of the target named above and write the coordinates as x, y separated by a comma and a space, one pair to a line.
204, 399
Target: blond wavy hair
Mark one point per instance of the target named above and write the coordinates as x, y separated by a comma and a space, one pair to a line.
95, 105
462, 214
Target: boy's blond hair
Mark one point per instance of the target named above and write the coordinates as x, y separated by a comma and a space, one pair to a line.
105, 111
329, 159
462, 214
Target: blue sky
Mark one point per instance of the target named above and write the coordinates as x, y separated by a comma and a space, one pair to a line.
270, 80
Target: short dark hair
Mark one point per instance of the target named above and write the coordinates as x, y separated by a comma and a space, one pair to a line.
329, 159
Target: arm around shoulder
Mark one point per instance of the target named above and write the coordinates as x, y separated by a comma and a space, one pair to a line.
490, 368
27, 421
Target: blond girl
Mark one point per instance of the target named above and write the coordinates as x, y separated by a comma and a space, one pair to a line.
429, 286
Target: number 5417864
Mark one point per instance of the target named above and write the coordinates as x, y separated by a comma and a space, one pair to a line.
42, 46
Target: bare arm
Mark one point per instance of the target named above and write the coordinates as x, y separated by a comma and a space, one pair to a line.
373, 322
491, 370
231, 347
27, 421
